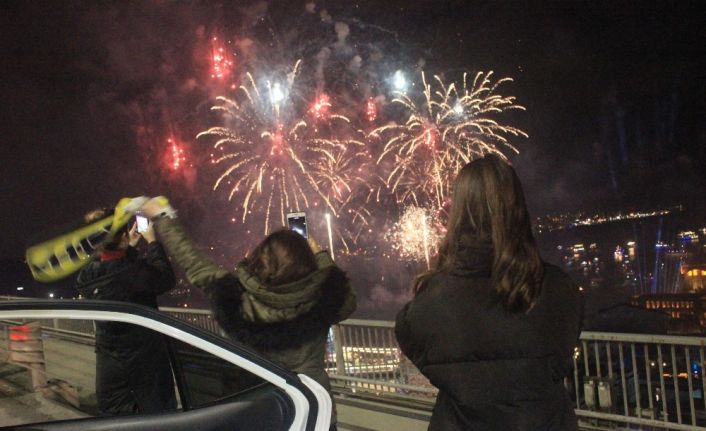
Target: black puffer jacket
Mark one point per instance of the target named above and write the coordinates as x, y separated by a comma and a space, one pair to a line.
494, 370
139, 280
133, 374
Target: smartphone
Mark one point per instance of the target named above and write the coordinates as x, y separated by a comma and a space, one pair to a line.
143, 223
297, 223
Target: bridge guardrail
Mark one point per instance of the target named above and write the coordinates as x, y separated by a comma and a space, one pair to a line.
618, 379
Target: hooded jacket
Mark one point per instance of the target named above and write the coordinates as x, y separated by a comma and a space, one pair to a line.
495, 370
287, 323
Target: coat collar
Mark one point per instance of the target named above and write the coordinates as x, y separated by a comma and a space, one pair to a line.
474, 258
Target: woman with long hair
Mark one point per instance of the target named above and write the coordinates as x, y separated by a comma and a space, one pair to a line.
492, 326
281, 300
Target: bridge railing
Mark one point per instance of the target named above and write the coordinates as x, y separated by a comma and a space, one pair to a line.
641, 379
618, 379
656, 381
364, 356
197, 317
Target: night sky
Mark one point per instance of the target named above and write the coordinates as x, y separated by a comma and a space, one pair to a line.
615, 95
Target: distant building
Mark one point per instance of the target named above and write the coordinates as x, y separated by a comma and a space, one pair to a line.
693, 277
628, 319
687, 311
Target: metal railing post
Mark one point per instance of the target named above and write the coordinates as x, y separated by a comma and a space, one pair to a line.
338, 348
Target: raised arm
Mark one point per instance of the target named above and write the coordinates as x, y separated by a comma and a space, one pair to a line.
200, 270
342, 303
160, 273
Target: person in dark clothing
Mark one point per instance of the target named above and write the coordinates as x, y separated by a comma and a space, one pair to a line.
492, 326
281, 300
132, 363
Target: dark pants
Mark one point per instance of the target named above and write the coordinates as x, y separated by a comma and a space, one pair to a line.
134, 382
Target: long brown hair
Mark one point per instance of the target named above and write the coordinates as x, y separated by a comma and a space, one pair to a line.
489, 205
282, 257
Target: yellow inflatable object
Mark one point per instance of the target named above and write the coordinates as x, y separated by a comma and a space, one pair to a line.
62, 256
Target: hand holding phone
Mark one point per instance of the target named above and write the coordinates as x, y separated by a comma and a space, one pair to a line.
143, 223
315, 247
297, 223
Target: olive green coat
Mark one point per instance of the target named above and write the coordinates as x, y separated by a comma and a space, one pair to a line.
287, 323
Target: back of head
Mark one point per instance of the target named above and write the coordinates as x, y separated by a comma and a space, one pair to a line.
489, 206
282, 257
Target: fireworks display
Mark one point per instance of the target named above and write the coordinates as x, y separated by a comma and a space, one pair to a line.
320, 107
371, 110
445, 127
279, 154
416, 235
358, 144
221, 60
282, 151
176, 155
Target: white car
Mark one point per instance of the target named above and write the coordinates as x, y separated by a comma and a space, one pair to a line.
47, 375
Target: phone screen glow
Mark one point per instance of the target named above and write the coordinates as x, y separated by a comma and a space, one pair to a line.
297, 223
142, 223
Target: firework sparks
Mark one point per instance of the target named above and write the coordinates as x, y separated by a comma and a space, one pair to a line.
320, 107
371, 110
416, 235
221, 60
277, 161
330, 237
176, 155
449, 127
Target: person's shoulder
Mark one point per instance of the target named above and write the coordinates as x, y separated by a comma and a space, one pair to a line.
556, 274
557, 279
89, 272
431, 283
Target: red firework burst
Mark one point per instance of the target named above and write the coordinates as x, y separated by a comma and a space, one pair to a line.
176, 158
221, 60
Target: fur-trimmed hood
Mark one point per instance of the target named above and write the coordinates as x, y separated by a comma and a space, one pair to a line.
288, 324
280, 317
277, 303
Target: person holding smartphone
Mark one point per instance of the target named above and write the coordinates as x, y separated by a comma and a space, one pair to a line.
281, 300
132, 367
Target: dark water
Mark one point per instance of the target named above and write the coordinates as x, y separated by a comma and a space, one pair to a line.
383, 285
651, 250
